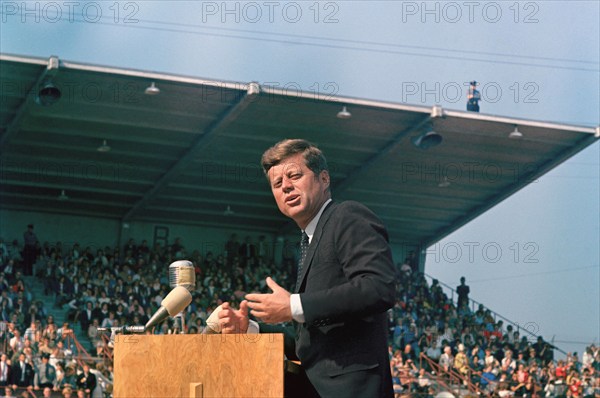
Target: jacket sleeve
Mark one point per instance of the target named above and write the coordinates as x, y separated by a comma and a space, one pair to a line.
355, 247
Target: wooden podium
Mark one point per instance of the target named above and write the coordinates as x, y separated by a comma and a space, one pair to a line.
199, 365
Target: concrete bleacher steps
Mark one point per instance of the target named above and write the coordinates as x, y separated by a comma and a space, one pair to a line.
36, 287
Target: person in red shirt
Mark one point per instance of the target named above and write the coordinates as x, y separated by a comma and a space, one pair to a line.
561, 370
574, 384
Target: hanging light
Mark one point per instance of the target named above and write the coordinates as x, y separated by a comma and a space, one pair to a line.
63, 196
48, 94
152, 89
515, 134
427, 139
344, 114
444, 183
104, 147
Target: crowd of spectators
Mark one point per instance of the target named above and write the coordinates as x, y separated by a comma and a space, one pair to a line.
112, 286
433, 340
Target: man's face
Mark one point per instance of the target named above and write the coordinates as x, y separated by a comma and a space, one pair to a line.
299, 193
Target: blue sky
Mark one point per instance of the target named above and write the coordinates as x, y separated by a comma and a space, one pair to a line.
535, 257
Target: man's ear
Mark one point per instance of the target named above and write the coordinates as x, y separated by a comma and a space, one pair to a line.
324, 176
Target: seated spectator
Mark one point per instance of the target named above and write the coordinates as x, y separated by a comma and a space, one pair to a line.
109, 322
461, 363
50, 331
86, 381
45, 374
22, 372
527, 389
522, 374
64, 331
447, 359
5, 369
63, 289
69, 378
8, 392
17, 343
490, 360
503, 390
488, 379
508, 363
574, 384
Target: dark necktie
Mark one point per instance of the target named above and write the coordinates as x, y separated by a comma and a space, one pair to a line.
303, 251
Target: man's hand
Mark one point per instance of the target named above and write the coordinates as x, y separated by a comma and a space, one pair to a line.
271, 308
234, 321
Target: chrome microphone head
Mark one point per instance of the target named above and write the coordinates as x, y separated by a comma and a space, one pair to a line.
182, 273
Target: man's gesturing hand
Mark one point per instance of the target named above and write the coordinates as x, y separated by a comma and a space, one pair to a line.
273, 307
234, 321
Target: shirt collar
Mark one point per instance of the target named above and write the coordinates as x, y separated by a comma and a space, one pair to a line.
312, 225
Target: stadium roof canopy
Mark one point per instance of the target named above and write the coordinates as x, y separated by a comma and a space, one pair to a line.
190, 153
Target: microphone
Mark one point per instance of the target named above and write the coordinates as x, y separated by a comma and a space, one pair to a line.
182, 273
137, 329
172, 304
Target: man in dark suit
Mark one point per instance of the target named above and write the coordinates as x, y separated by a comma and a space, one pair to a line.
22, 373
86, 381
86, 316
345, 282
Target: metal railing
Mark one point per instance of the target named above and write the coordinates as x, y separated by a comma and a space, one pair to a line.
449, 379
474, 305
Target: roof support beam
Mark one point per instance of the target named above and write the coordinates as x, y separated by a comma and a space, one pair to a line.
15, 124
390, 146
230, 115
436, 111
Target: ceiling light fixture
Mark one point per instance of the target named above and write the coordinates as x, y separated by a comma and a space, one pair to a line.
515, 133
48, 94
344, 114
444, 183
63, 196
152, 89
228, 211
427, 139
104, 147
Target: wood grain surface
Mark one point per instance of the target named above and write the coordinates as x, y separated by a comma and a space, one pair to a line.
225, 365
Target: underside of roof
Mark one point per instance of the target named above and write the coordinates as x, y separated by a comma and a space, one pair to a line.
190, 153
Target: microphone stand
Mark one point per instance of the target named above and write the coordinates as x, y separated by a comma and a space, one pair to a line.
180, 321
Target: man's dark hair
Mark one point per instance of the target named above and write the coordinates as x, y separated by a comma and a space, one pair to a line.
313, 157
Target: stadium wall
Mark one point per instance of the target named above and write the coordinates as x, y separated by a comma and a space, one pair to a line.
98, 232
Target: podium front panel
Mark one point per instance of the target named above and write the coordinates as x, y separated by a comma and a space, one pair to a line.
164, 366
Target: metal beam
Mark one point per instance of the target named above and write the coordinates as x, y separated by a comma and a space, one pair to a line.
368, 164
219, 125
15, 124
390, 146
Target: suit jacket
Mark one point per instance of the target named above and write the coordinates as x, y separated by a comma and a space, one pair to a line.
16, 374
347, 285
85, 320
86, 382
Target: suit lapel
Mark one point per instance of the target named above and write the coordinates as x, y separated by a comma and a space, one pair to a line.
314, 243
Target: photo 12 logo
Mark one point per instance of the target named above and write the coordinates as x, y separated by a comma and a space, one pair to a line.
456, 92
71, 11
270, 11
483, 252
469, 11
